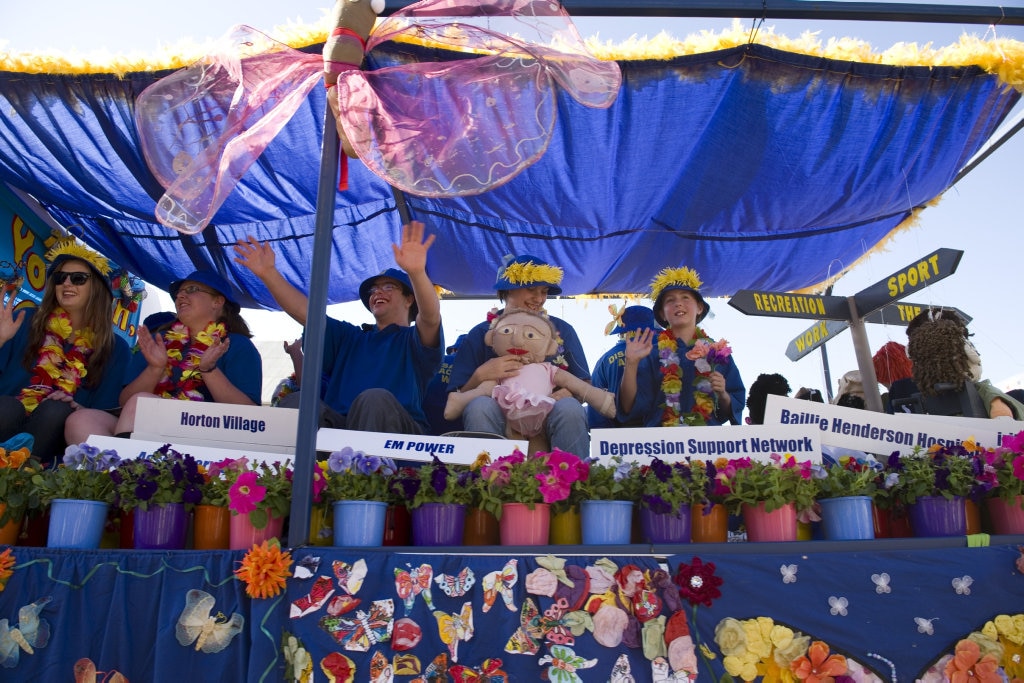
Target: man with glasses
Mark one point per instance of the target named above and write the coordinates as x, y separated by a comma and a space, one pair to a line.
376, 375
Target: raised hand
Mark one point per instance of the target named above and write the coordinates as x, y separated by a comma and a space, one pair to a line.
639, 347
9, 323
257, 257
411, 254
152, 349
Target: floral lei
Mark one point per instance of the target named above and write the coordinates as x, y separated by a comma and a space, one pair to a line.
176, 340
62, 360
706, 353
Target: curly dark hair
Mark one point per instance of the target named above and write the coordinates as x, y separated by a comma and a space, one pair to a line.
936, 348
757, 395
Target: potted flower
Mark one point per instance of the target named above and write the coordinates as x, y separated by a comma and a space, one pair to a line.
846, 490
79, 491
159, 488
437, 494
934, 484
1004, 476
709, 519
566, 524
667, 493
211, 516
259, 497
17, 495
358, 487
769, 494
609, 492
519, 489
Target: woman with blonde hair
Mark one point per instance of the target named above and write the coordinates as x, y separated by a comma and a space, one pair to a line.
63, 356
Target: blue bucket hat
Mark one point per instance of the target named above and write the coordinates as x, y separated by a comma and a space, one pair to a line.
520, 272
683, 278
69, 250
632, 319
208, 278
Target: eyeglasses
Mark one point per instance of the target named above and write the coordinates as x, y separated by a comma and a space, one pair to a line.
385, 288
77, 279
192, 289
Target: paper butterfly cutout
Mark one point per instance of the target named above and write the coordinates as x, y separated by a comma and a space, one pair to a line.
488, 672
838, 606
358, 633
211, 634
380, 669
307, 567
85, 672
406, 664
458, 585
526, 639
413, 582
925, 625
788, 573
962, 585
455, 627
564, 664
350, 576
661, 672
319, 594
30, 634
881, 582
436, 671
554, 628
501, 582
621, 671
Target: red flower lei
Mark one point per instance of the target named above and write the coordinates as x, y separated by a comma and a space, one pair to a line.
186, 352
672, 384
62, 361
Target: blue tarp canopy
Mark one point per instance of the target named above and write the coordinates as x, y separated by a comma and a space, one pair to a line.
759, 168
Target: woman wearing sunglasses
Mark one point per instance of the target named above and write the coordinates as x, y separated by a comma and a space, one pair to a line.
204, 355
63, 356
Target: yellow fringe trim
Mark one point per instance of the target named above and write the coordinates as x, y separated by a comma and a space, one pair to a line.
69, 247
1003, 57
675, 277
529, 273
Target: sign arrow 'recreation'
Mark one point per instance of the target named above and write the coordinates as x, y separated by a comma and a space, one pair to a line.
785, 305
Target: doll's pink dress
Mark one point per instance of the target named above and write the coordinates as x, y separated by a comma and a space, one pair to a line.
526, 398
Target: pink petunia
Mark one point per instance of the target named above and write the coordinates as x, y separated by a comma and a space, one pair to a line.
245, 494
1018, 467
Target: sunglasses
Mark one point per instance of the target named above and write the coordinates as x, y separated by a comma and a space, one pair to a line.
77, 279
193, 289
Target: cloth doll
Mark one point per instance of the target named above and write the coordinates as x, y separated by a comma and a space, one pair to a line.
526, 398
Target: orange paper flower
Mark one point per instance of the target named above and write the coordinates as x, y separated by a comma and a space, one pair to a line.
264, 570
817, 666
968, 665
6, 567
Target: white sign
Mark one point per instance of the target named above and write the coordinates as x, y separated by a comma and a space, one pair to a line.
672, 444
881, 433
220, 425
449, 449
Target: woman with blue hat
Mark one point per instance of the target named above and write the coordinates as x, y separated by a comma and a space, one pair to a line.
687, 378
627, 322
523, 281
63, 356
205, 355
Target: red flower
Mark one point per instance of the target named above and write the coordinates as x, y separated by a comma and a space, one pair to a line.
817, 666
697, 582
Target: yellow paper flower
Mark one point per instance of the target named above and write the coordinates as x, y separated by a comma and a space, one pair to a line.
731, 637
675, 277
69, 247
264, 570
528, 273
6, 567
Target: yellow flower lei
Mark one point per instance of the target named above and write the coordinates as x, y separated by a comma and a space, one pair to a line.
672, 385
176, 339
62, 361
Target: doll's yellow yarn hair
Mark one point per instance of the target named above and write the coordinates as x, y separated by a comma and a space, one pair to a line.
675, 278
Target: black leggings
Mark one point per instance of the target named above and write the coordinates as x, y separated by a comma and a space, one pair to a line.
45, 424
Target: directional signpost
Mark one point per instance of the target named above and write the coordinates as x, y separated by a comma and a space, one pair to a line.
877, 303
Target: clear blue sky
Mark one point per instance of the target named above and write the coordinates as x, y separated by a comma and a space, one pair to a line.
979, 215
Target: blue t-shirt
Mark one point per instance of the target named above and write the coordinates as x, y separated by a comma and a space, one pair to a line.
649, 403
241, 364
436, 397
14, 377
474, 352
361, 358
607, 375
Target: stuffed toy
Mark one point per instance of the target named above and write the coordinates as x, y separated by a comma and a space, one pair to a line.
526, 398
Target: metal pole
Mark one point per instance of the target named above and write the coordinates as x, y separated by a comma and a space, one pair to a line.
316, 324
862, 348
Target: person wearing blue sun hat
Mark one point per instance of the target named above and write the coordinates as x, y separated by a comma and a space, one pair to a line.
680, 376
63, 356
375, 375
627, 322
523, 281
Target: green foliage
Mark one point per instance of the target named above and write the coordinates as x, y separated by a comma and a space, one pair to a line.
85, 474
614, 480
849, 477
434, 482
946, 472
775, 483
16, 490
159, 478
667, 488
